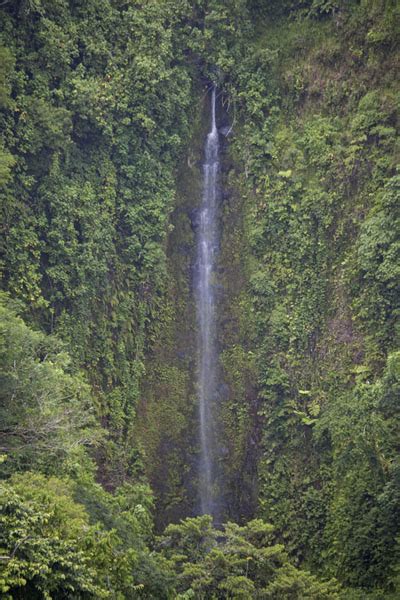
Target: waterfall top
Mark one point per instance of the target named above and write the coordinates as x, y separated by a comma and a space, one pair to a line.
213, 117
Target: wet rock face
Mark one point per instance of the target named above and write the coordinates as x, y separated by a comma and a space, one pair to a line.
205, 223
195, 218
225, 131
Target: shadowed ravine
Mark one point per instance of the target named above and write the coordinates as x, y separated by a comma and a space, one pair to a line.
207, 248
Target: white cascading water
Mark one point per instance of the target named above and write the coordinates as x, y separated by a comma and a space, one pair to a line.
207, 248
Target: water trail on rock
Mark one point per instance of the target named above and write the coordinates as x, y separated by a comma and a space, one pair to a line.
207, 248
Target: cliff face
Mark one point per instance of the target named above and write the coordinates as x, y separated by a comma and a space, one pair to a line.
168, 417
167, 424
315, 150
104, 113
309, 284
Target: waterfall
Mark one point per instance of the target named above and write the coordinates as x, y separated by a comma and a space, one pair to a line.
207, 248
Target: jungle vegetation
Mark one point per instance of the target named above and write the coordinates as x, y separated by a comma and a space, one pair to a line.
103, 109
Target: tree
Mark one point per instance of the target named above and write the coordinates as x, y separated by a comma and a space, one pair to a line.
46, 410
236, 562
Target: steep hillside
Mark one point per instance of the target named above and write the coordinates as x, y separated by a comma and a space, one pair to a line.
316, 95
93, 125
104, 111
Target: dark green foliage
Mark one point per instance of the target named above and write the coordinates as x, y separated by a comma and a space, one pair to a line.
378, 258
96, 98
46, 411
62, 538
316, 104
362, 528
46, 541
51, 548
97, 121
237, 562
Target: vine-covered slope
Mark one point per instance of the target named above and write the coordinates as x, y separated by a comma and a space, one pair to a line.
316, 150
95, 113
103, 112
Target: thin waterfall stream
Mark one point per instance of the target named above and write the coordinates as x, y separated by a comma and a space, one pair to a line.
207, 251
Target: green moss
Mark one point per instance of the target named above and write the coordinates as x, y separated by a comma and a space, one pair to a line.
167, 422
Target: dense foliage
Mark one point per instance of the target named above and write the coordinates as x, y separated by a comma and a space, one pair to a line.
237, 562
315, 147
93, 124
103, 111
